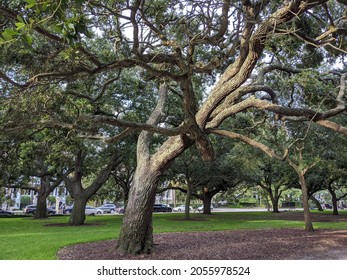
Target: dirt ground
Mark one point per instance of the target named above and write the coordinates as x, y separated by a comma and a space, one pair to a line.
267, 244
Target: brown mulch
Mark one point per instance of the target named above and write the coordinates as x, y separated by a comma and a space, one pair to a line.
267, 244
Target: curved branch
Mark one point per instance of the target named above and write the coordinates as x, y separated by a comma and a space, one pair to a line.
228, 107
232, 135
140, 126
109, 140
7, 79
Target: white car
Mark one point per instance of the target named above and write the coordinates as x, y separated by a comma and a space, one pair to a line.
201, 208
89, 210
181, 208
108, 208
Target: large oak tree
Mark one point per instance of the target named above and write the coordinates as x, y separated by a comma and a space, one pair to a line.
174, 49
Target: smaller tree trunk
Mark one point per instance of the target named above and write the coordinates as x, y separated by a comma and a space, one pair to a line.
275, 208
78, 215
335, 207
187, 204
125, 195
41, 209
317, 203
266, 197
274, 202
43, 192
307, 215
207, 202
333, 200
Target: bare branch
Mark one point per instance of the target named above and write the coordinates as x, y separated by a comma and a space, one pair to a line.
333, 126
110, 140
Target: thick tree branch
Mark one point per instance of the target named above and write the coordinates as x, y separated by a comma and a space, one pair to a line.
232, 135
144, 140
230, 81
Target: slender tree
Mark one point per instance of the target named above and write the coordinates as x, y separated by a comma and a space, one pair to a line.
274, 178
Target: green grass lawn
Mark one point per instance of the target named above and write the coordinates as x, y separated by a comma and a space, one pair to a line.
25, 238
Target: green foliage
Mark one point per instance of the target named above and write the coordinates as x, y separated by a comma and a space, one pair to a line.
312, 88
25, 200
248, 201
51, 199
2, 194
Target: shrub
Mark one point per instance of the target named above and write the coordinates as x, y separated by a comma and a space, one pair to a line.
25, 200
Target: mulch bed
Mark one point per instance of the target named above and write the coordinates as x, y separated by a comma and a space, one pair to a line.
267, 244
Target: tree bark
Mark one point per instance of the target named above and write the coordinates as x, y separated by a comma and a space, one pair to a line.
46, 187
81, 195
78, 215
307, 215
333, 200
41, 209
136, 234
187, 204
125, 195
274, 201
317, 203
207, 202
274, 198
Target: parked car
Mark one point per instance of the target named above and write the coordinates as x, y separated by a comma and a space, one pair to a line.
181, 208
89, 210
31, 209
68, 210
201, 208
161, 208
108, 208
327, 206
5, 213
120, 210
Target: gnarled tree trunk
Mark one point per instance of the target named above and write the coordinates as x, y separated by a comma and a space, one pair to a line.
43, 192
46, 187
81, 198
136, 235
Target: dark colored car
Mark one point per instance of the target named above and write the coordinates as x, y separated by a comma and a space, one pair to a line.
5, 213
31, 209
161, 208
68, 210
327, 206
108, 208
